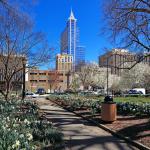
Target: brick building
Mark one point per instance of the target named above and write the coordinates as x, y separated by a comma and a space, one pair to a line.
49, 80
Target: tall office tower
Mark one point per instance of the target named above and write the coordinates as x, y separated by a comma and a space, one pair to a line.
70, 39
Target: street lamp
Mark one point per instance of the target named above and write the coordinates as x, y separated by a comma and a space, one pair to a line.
23, 88
107, 97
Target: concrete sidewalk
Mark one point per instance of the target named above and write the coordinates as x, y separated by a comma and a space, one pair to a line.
80, 134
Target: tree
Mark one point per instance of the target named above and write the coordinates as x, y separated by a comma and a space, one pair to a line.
92, 75
114, 83
128, 22
19, 44
54, 79
84, 74
75, 82
136, 77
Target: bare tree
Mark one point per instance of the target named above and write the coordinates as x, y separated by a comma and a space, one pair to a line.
85, 74
128, 22
20, 46
54, 79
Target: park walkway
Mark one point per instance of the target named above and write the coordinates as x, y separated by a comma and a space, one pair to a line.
78, 133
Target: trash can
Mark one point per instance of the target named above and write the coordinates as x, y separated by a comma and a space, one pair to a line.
109, 110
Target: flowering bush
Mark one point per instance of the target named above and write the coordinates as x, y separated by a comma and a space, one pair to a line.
20, 127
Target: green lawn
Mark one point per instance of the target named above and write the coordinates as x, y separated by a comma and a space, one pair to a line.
122, 99
133, 99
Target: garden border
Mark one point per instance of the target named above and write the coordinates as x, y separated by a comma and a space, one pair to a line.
127, 139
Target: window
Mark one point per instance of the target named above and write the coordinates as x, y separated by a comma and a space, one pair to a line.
33, 73
33, 80
42, 73
42, 80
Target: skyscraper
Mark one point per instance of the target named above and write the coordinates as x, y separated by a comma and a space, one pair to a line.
70, 40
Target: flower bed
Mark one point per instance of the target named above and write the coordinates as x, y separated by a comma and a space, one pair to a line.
123, 108
21, 128
133, 119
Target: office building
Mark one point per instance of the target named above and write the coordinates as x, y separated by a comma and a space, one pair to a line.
70, 43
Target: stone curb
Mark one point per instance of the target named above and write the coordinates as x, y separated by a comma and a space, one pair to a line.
127, 139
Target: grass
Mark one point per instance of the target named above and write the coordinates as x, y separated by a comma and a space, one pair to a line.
133, 99
121, 99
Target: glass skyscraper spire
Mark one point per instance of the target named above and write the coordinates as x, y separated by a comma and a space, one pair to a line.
70, 40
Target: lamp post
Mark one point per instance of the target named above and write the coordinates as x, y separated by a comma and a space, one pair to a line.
23, 88
107, 76
108, 110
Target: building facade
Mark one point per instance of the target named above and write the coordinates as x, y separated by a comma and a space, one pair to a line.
80, 57
64, 63
51, 81
118, 58
70, 41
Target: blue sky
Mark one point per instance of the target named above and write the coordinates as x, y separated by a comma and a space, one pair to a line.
51, 17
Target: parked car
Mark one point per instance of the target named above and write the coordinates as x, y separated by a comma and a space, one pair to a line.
135, 92
141, 90
41, 91
31, 95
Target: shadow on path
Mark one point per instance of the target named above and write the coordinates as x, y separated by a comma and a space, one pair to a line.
79, 134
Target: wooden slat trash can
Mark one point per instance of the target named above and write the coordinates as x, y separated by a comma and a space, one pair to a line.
108, 112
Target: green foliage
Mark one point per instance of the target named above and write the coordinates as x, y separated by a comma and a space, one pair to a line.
21, 129
125, 105
133, 109
76, 103
44, 131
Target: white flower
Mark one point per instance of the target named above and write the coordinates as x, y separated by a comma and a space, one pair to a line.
7, 119
13, 146
29, 136
21, 136
26, 122
34, 147
3, 128
14, 125
16, 145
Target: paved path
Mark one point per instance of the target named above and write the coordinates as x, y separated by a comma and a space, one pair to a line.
80, 134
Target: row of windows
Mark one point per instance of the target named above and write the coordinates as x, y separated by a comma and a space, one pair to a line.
46, 74
45, 81
34, 73
65, 59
